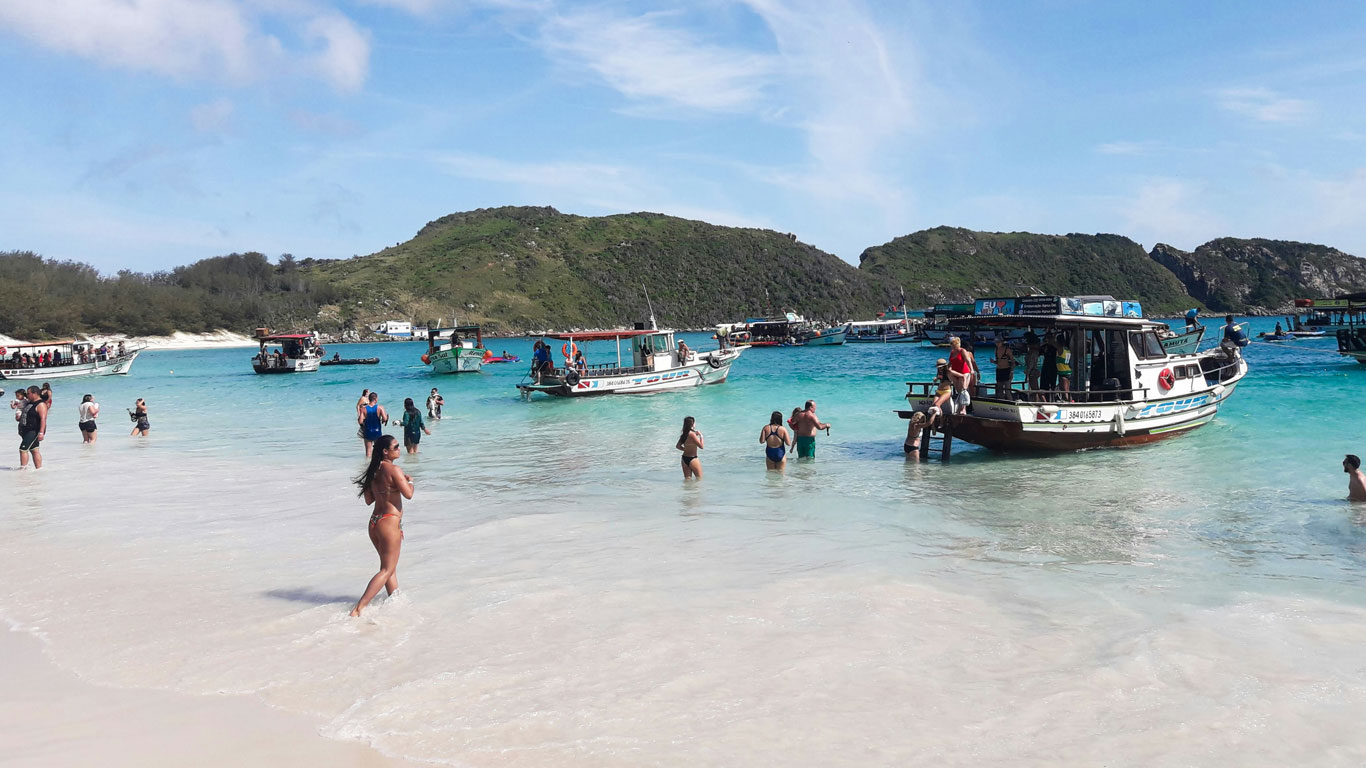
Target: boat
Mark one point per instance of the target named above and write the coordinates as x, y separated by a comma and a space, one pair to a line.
937, 319
792, 330
502, 359
1343, 312
812, 336
457, 349
652, 364
733, 334
1179, 343
76, 358
1264, 336
1307, 334
297, 353
1127, 391
1352, 343
889, 331
339, 360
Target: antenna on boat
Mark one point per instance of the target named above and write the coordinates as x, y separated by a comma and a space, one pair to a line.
653, 327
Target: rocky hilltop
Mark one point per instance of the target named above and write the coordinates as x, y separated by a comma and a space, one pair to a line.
517, 268
1261, 276
948, 264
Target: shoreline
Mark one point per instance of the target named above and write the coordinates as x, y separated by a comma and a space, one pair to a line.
67, 721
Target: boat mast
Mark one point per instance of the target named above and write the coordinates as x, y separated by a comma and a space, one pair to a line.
653, 327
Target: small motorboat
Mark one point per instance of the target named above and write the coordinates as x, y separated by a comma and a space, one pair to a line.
338, 360
1306, 334
503, 359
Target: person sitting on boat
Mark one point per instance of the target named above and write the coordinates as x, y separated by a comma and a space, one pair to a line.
683, 352
1279, 332
940, 406
336, 356
1232, 333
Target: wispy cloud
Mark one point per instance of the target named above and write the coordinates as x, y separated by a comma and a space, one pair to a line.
1170, 211
1264, 105
644, 57
216, 39
1127, 148
213, 116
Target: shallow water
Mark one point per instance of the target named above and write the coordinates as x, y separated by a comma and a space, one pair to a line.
569, 601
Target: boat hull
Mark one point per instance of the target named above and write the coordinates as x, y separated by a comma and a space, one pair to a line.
291, 365
119, 365
458, 360
1184, 343
889, 338
695, 374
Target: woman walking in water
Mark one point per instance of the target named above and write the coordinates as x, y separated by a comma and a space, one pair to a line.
776, 442
139, 415
385, 486
89, 410
412, 426
690, 442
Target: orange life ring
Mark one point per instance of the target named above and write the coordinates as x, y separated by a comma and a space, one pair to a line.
488, 354
426, 359
1166, 380
566, 350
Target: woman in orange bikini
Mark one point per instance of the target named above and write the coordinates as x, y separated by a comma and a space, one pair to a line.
385, 486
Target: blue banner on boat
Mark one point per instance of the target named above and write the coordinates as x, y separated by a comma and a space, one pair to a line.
994, 307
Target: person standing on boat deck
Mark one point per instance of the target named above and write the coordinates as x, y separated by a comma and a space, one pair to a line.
32, 427
804, 426
1031, 341
1005, 367
139, 414
1192, 319
683, 352
963, 369
580, 362
690, 442
412, 426
385, 486
1232, 332
89, 410
776, 442
1048, 375
1356, 481
372, 420
1063, 360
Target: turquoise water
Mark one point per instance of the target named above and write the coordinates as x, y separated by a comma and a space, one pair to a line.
568, 600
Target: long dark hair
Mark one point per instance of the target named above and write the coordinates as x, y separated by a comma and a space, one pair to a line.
408, 405
776, 420
367, 478
687, 427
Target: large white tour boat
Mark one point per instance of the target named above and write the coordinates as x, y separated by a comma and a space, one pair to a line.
1124, 388
66, 359
653, 363
295, 353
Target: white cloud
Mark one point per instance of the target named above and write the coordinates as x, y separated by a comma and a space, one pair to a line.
643, 58
212, 117
215, 39
1126, 148
1264, 105
1169, 211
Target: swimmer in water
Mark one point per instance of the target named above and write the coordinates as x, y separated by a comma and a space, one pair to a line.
690, 442
385, 486
776, 441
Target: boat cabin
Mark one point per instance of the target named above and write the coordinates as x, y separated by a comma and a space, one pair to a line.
464, 336
289, 346
1342, 312
1102, 349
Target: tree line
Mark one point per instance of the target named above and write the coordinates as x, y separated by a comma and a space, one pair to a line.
44, 298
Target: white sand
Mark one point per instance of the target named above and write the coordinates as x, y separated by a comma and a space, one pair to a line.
50, 718
177, 340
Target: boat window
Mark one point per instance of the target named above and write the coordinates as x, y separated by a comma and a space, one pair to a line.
660, 343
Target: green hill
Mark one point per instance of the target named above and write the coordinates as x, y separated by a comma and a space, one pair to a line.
530, 268
948, 264
1262, 276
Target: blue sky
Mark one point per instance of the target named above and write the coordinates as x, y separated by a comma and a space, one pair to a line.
149, 133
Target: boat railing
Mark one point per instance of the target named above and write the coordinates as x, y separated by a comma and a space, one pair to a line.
990, 392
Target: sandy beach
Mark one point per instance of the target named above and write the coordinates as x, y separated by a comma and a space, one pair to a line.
54, 719
178, 340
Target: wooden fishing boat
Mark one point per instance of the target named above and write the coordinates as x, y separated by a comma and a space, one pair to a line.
1124, 388
1181, 343
459, 349
66, 359
653, 363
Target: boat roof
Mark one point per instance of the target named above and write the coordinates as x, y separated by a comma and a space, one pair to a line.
62, 343
600, 335
458, 328
1049, 321
283, 337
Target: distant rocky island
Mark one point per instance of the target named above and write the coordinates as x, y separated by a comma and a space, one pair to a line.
521, 268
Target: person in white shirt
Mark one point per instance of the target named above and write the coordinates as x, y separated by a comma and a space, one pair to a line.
89, 410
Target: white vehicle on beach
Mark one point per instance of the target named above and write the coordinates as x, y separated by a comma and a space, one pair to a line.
76, 358
654, 364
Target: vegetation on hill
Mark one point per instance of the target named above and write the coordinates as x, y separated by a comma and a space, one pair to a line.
534, 268
44, 298
1236, 275
948, 264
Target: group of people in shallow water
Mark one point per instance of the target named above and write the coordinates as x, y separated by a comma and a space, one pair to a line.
33, 405
776, 439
